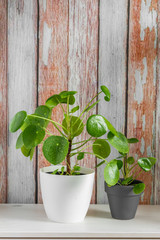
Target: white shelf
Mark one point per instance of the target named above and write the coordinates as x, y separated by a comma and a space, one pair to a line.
30, 221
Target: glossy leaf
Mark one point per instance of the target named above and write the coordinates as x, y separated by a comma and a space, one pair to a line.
75, 109
106, 91
110, 127
19, 142
43, 111
53, 101
65, 94
119, 164
111, 173
17, 121
127, 180
132, 140
120, 142
101, 148
92, 106
32, 136
71, 100
139, 188
96, 126
80, 156
55, 149
76, 168
152, 160
101, 163
32, 153
76, 126
130, 160
145, 164
25, 151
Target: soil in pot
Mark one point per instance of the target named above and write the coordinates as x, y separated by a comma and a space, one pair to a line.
123, 201
64, 174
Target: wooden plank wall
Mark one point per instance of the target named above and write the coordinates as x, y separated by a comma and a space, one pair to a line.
48, 46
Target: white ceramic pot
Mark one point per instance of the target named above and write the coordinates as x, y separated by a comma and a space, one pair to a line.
66, 198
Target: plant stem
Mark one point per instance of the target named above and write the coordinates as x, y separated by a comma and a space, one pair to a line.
68, 157
82, 144
125, 167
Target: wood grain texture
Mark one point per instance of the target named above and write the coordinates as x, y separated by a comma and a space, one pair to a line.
53, 53
22, 41
82, 60
3, 101
157, 167
142, 84
112, 70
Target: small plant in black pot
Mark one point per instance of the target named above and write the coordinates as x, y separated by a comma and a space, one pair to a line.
124, 192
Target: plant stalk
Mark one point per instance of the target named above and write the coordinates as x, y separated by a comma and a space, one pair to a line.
68, 157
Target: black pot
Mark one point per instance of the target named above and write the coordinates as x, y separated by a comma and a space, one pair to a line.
123, 202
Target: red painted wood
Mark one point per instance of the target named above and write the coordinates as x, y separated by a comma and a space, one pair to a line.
53, 52
142, 84
3, 101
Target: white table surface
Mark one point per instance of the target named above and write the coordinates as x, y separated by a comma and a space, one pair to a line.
30, 221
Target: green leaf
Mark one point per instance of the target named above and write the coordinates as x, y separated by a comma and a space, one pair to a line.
75, 109
55, 149
90, 107
25, 151
132, 140
43, 111
120, 142
65, 94
101, 148
130, 160
110, 127
96, 126
31, 153
99, 164
119, 164
80, 156
111, 173
145, 164
127, 180
76, 168
55, 171
106, 91
139, 188
17, 121
76, 126
152, 160
19, 142
53, 101
62, 170
32, 136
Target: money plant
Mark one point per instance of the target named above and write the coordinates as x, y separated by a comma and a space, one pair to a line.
61, 148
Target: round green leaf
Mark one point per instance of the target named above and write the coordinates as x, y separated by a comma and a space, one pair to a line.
138, 188
111, 173
71, 100
119, 164
106, 91
19, 142
132, 140
120, 142
75, 109
53, 101
55, 149
17, 121
32, 121
92, 106
130, 160
101, 148
65, 94
145, 164
25, 151
152, 160
32, 136
43, 111
80, 156
96, 126
76, 126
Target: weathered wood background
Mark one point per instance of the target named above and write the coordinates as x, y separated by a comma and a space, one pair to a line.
47, 46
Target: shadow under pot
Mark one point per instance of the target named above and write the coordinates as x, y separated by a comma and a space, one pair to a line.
123, 202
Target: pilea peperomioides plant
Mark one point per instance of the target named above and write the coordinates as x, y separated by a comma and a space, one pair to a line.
57, 149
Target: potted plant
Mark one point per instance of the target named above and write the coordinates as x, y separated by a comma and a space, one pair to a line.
67, 188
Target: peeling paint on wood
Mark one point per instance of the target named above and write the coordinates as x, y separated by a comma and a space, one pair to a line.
83, 46
3, 101
142, 79
53, 55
